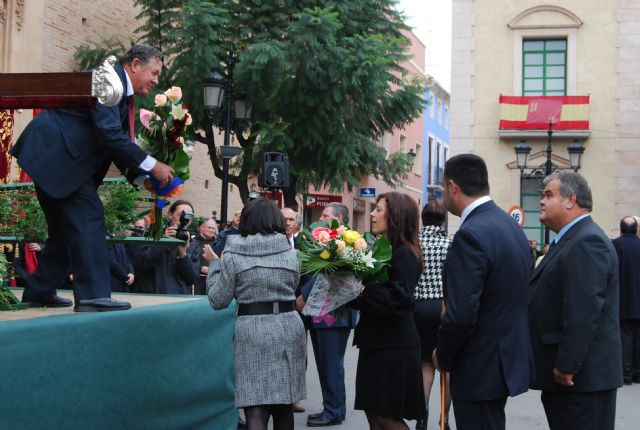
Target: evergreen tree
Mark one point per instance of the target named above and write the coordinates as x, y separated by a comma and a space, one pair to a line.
159, 18
323, 77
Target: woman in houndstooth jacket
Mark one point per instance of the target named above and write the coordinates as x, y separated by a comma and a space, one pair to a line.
261, 270
428, 294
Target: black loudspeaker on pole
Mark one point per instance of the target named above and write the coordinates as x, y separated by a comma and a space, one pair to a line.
275, 170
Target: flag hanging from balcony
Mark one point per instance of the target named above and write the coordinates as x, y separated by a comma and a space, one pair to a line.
535, 112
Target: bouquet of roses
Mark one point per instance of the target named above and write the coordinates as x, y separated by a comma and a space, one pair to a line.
163, 136
344, 260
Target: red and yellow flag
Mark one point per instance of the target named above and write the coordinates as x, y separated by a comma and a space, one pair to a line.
535, 112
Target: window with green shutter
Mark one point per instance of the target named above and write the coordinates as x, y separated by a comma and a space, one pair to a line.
544, 67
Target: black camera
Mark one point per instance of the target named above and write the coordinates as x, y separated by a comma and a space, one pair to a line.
138, 232
181, 232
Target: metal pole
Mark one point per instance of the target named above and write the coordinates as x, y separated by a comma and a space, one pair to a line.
547, 171
227, 137
225, 164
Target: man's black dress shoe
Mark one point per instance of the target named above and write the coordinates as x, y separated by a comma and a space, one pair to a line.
323, 421
101, 305
315, 416
54, 301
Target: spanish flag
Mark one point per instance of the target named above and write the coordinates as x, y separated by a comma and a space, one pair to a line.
535, 112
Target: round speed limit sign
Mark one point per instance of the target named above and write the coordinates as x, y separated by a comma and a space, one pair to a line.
517, 213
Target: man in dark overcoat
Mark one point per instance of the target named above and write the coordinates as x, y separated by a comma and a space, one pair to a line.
628, 250
483, 336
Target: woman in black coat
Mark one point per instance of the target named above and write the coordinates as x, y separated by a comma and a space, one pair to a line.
388, 378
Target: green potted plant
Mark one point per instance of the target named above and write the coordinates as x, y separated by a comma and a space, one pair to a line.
8, 301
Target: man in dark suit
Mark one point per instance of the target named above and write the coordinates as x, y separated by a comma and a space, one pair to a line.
482, 338
329, 343
628, 250
573, 312
67, 152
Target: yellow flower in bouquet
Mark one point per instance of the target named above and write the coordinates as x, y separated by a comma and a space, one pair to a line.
350, 237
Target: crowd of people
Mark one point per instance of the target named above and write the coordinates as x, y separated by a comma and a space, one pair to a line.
494, 317
476, 307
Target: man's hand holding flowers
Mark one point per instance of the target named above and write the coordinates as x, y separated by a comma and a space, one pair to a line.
163, 136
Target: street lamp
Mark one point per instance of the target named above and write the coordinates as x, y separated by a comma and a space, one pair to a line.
575, 154
216, 90
575, 157
522, 152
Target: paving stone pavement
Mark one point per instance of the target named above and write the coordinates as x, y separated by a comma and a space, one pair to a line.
523, 412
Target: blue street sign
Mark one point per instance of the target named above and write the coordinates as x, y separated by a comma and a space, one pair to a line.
367, 192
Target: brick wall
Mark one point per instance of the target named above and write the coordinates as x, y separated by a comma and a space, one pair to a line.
203, 189
69, 23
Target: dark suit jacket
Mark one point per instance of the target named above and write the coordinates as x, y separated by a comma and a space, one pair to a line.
386, 311
120, 266
171, 275
61, 149
573, 312
482, 338
628, 249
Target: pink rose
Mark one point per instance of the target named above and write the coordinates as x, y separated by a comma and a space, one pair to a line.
189, 119
321, 234
174, 94
145, 118
341, 230
360, 244
160, 100
341, 245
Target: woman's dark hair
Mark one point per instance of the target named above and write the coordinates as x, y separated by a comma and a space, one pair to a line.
402, 221
177, 203
261, 216
434, 213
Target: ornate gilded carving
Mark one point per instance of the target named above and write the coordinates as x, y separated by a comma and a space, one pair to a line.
19, 14
6, 135
106, 86
3, 12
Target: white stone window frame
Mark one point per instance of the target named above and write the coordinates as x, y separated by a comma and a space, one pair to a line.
566, 27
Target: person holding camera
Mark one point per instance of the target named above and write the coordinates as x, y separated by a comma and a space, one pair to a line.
174, 267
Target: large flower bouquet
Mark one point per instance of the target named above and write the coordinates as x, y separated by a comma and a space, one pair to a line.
344, 261
163, 136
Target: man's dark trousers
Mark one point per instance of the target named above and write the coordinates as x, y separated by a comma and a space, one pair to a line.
594, 410
486, 415
630, 333
76, 244
329, 347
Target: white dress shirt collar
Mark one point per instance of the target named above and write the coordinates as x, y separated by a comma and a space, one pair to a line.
474, 204
129, 84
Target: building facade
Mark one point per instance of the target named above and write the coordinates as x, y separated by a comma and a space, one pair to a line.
42, 36
436, 140
572, 48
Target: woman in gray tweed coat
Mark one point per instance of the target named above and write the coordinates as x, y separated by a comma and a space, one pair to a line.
260, 270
